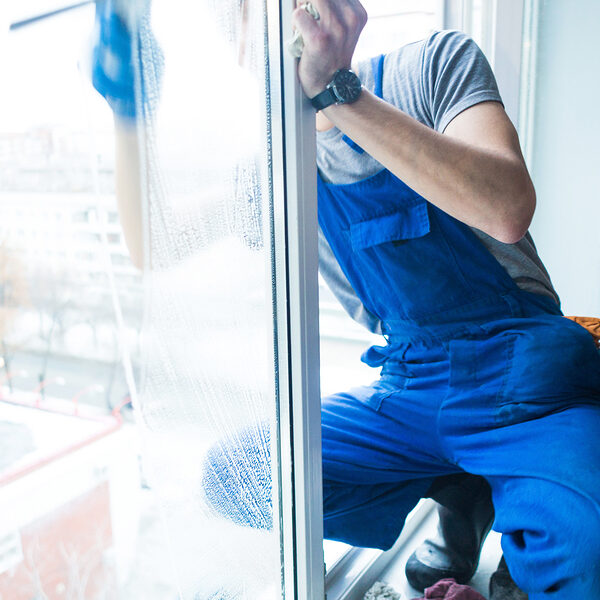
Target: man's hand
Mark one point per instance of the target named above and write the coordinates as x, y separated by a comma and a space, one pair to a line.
329, 43
117, 34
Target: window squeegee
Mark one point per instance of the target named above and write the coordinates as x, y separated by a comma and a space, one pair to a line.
36, 18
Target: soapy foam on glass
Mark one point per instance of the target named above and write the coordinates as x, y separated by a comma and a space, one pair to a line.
207, 341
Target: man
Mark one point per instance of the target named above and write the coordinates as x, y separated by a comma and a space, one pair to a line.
460, 152
424, 205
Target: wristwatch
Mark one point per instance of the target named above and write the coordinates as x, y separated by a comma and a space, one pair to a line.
344, 88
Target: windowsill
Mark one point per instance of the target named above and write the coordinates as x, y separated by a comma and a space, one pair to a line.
355, 573
394, 573
358, 569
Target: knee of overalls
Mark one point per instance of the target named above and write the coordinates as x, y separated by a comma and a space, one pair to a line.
236, 478
550, 537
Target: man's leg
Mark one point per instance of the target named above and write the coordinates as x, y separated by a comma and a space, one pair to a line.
465, 516
545, 479
523, 410
375, 469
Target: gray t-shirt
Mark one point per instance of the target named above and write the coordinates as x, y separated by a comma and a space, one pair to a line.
432, 80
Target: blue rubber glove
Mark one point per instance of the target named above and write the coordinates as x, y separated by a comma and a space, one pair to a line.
114, 50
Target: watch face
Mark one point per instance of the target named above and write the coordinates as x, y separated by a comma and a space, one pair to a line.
346, 86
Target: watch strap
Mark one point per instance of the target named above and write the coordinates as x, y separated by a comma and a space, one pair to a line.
324, 99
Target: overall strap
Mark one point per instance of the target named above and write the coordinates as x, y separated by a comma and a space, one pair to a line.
377, 66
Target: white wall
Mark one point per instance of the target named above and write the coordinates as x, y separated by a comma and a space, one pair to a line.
565, 157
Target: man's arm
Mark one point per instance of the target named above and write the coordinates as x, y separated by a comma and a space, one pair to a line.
474, 171
113, 77
128, 189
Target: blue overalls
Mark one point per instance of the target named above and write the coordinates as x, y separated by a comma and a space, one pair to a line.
478, 376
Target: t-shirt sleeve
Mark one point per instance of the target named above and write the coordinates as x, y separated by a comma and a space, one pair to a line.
455, 76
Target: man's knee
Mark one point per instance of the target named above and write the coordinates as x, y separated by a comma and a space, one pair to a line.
569, 568
551, 538
236, 478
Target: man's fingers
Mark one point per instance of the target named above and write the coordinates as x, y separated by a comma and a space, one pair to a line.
311, 10
329, 11
329, 42
359, 14
336, 19
345, 13
305, 24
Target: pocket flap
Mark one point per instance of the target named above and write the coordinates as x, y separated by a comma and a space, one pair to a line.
408, 222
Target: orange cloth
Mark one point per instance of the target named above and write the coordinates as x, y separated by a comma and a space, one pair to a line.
592, 324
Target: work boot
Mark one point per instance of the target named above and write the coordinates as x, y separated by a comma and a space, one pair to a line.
466, 514
502, 586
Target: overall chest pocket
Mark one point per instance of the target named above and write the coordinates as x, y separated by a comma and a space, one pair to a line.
405, 265
407, 221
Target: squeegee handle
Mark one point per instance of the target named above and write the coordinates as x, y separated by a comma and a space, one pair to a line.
31, 20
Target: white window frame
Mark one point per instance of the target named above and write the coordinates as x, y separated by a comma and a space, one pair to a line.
501, 26
296, 296
531, 14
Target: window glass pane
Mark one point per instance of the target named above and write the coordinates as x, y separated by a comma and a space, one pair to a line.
208, 391
189, 339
